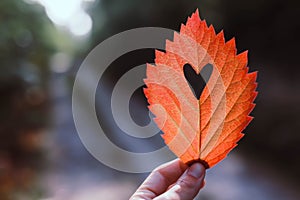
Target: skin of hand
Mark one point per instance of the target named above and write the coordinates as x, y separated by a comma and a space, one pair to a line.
173, 180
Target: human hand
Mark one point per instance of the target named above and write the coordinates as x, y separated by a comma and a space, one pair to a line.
173, 180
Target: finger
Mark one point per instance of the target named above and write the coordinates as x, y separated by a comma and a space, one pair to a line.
187, 186
203, 184
160, 179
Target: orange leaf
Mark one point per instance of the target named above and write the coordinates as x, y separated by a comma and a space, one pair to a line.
204, 129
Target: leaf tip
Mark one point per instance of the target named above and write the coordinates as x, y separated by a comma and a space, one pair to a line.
196, 14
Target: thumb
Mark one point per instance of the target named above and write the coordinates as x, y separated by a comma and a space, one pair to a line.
188, 185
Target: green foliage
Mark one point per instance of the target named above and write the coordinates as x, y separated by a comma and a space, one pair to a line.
23, 38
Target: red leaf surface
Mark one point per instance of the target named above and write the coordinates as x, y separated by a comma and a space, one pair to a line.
204, 129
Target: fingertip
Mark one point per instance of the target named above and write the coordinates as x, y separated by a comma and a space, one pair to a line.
197, 170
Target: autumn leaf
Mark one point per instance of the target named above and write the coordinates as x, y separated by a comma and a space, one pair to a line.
201, 129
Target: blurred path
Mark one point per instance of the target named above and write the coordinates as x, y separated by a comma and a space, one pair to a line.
76, 175
236, 178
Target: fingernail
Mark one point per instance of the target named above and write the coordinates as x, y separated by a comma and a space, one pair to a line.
196, 170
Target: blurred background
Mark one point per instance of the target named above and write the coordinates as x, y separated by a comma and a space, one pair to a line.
42, 44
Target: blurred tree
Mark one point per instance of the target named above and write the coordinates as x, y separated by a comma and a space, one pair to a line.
25, 48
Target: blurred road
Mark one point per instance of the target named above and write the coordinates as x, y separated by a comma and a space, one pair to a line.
75, 175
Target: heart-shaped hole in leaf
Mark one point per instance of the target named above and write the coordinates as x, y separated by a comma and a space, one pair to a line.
197, 82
